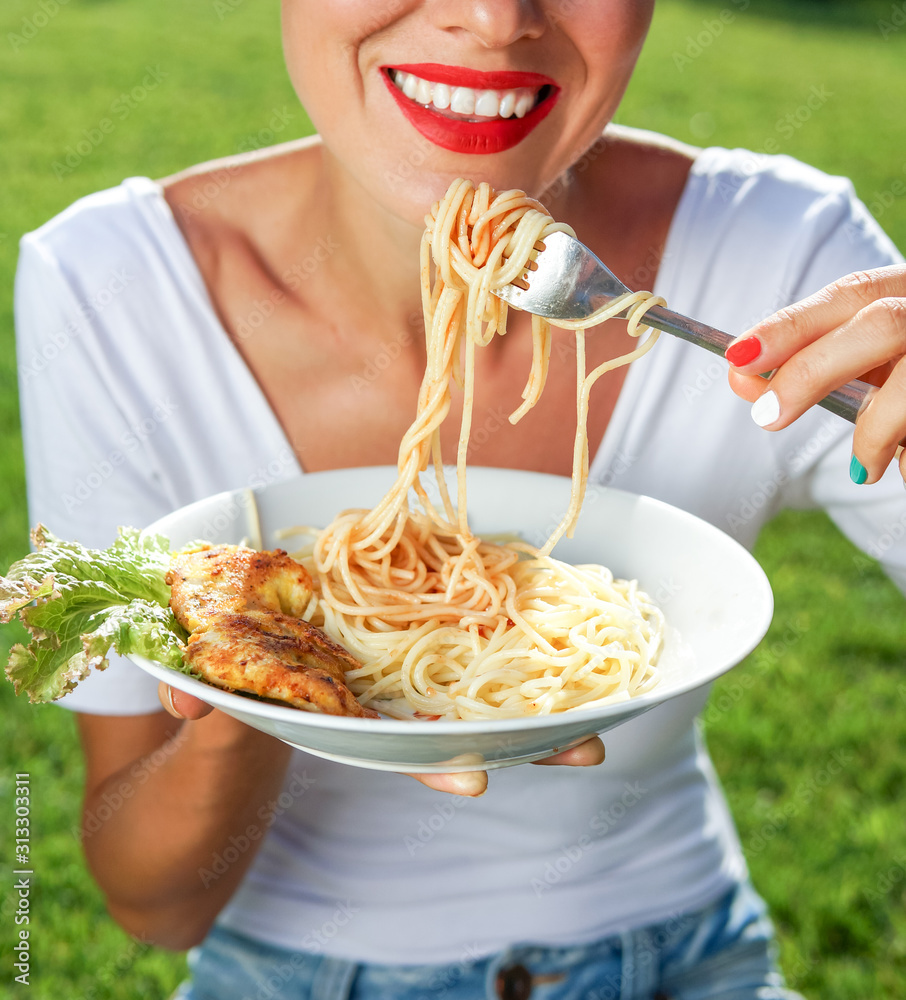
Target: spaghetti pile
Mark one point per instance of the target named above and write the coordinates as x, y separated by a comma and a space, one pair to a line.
449, 625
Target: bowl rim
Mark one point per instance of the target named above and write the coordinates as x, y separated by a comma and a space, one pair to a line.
438, 727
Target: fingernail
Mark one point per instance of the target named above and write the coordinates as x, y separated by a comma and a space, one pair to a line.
173, 708
766, 409
857, 471
743, 351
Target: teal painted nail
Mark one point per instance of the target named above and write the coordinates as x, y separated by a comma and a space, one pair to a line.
857, 471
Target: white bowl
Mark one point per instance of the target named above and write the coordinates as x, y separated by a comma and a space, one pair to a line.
716, 599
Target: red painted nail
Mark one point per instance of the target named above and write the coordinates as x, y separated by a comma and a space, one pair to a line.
743, 351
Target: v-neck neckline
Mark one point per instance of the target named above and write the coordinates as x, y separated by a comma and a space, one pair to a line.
630, 391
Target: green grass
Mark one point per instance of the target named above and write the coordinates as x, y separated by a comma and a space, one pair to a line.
824, 833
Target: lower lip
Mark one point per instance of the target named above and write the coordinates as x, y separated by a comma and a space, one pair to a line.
459, 136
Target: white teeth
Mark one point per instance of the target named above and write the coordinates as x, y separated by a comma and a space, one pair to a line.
463, 101
441, 99
488, 104
466, 100
423, 92
524, 104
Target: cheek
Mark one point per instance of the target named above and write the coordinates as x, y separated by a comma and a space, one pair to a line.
602, 40
332, 31
608, 34
321, 64
633, 16
611, 33
324, 45
607, 38
310, 42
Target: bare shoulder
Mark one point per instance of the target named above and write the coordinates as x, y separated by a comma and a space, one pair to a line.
649, 145
222, 189
627, 188
247, 200
652, 166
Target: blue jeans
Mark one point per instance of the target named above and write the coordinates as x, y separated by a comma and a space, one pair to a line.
723, 952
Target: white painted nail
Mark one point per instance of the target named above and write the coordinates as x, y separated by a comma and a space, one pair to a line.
766, 409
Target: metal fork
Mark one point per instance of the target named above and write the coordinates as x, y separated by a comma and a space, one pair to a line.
568, 282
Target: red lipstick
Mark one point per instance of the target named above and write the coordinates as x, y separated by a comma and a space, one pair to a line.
461, 135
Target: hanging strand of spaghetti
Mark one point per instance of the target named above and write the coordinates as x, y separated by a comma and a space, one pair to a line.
445, 623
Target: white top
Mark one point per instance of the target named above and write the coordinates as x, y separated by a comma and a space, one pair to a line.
135, 402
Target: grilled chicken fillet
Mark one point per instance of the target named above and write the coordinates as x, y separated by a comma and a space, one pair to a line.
275, 656
244, 611
219, 579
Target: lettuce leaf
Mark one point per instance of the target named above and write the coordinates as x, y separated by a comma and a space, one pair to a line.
78, 603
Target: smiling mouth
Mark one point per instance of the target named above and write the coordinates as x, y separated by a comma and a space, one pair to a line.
469, 104
466, 110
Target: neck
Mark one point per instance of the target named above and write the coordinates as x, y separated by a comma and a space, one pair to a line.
377, 263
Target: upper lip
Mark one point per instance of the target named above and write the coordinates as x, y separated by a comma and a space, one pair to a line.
462, 76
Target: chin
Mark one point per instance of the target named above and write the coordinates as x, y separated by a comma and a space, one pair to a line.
406, 173
409, 194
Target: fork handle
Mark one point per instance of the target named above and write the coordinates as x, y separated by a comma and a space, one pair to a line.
846, 401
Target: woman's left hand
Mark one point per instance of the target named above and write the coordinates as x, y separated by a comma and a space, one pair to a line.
853, 328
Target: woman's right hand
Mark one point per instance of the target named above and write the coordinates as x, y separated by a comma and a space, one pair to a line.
181, 705
469, 783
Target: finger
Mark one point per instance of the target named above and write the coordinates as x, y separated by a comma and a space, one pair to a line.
771, 342
750, 387
181, 705
881, 428
472, 783
871, 341
586, 754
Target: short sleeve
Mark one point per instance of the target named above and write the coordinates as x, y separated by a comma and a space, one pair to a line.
847, 239
86, 469
129, 386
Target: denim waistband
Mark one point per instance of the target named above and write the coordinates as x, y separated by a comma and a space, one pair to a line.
724, 950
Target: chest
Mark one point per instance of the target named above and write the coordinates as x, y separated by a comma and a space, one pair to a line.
350, 403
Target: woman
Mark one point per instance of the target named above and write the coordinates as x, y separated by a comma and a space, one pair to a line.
235, 348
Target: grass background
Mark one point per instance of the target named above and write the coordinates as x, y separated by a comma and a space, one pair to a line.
809, 735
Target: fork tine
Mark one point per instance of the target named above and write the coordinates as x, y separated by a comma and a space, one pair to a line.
531, 265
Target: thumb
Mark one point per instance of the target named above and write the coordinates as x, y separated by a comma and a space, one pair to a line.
181, 705
472, 783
